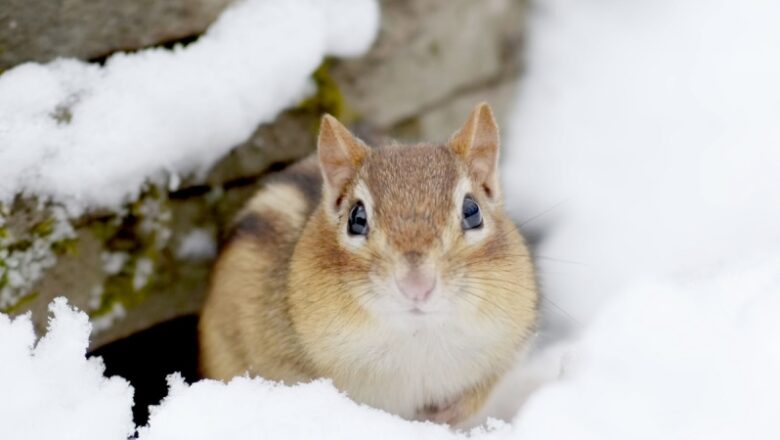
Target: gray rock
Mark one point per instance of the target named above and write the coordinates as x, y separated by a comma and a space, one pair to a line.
430, 51
40, 30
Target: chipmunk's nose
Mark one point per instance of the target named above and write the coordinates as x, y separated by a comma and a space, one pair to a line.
417, 285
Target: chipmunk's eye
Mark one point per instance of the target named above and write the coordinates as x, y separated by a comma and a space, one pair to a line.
472, 216
358, 220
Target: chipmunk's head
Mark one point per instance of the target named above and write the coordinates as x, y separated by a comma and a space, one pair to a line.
415, 232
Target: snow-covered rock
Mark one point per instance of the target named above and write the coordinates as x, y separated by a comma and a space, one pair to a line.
89, 135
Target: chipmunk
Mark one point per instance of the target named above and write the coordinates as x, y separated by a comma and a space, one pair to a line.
393, 271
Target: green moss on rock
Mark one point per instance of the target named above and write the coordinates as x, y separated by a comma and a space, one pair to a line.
32, 236
43, 228
328, 97
141, 235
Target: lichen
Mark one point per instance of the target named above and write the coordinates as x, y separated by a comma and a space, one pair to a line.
134, 245
27, 251
133, 240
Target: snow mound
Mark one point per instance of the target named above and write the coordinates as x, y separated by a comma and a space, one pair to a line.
645, 141
90, 135
49, 390
695, 358
248, 408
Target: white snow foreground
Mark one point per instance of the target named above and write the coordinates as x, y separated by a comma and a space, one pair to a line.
89, 135
696, 358
49, 390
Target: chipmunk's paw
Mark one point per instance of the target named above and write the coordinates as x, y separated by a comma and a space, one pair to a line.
451, 414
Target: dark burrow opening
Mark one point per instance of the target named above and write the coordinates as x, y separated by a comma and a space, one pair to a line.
147, 357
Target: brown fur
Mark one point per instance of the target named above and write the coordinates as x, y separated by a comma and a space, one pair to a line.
294, 298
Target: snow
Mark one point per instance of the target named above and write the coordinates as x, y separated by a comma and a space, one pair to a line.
645, 142
88, 135
198, 245
107, 319
691, 359
50, 390
250, 409
144, 267
644, 153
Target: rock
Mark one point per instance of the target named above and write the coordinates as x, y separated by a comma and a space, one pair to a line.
430, 51
40, 30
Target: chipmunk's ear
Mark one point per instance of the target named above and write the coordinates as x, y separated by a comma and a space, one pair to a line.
477, 143
340, 155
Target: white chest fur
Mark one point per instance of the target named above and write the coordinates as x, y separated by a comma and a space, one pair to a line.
404, 365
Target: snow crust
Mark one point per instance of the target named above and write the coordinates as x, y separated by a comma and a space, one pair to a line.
89, 135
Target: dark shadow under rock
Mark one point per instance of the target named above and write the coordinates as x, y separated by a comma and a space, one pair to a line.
146, 358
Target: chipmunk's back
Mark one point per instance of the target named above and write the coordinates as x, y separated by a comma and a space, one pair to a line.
246, 316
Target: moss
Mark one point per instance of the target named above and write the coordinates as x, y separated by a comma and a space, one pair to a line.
30, 249
43, 228
141, 230
20, 245
141, 234
40, 230
105, 228
120, 288
328, 97
67, 246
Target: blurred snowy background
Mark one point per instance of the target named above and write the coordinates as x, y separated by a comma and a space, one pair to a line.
642, 156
